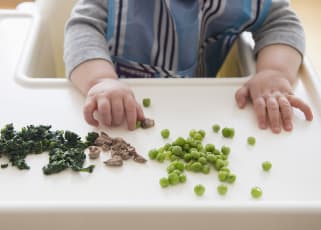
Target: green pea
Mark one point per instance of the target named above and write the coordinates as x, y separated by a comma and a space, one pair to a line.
164, 183
196, 167
161, 157
216, 128
211, 158
165, 133
198, 136
195, 155
177, 150
206, 169
256, 192
173, 178
199, 190
202, 132
192, 133
225, 150
251, 140
138, 124
210, 148
182, 178
266, 165
219, 163
222, 189
146, 102
153, 154
187, 157
228, 132
180, 166
171, 168
231, 178
180, 141
222, 176
202, 160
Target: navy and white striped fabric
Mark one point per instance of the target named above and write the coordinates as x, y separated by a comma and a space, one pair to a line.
177, 38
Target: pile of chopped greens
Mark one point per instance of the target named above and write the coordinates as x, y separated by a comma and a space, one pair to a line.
65, 148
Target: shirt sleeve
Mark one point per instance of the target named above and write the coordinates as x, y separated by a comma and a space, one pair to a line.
85, 34
281, 26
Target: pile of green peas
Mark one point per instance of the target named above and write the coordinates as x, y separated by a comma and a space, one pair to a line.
190, 154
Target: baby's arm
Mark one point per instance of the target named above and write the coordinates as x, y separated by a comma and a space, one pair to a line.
89, 66
279, 49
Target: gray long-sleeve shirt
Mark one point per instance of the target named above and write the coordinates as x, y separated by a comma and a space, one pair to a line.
173, 37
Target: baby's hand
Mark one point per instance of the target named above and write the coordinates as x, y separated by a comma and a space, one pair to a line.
272, 98
113, 101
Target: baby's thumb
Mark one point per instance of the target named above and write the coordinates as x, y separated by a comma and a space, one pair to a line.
242, 96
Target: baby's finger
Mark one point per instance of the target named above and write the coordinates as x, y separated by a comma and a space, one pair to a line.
117, 111
274, 114
260, 110
242, 96
131, 113
89, 108
301, 105
286, 113
104, 110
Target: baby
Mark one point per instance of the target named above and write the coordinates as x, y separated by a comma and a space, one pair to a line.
110, 39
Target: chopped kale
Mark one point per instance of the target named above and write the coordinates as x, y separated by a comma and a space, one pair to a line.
66, 149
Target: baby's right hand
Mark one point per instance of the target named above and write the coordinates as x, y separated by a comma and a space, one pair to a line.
113, 101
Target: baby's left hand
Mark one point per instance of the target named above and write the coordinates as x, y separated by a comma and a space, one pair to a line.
273, 99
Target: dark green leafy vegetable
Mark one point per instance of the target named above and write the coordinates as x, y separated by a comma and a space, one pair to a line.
66, 149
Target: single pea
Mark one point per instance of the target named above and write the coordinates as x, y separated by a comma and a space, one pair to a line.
219, 164
138, 124
225, 150
202, 132
180, 141
192, 133
196, 167
210, 148
199, 190
231, 178
161, 157
266, 165
198, 136
177, 150
195, 154
187, 157
173, 178
256, 192
217, 152
228, 132
164, 182
251, 140
168, 154
186, 147
180, 166
165, 133
171, 168
211, 158
222, 189
206, 169
216, 128
222, 176
173, 158
182, 178
146, 102
202, 160
153, 154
